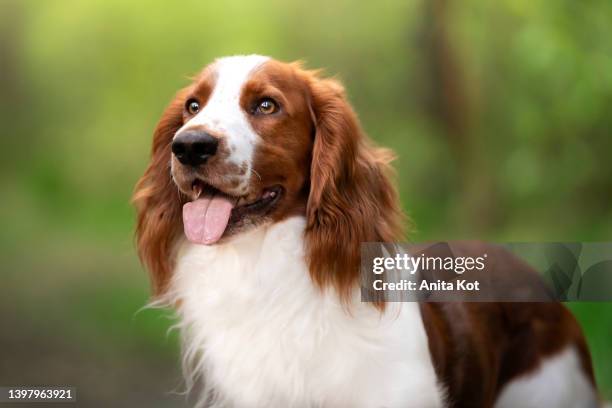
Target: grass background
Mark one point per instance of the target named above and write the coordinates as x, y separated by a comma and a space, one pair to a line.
499, 113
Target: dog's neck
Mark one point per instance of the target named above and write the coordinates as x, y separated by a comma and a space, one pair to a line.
258, 330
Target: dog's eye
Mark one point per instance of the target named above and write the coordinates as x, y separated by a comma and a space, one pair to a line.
266, 106
192, 106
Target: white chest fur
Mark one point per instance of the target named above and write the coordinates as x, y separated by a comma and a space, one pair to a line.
262, 335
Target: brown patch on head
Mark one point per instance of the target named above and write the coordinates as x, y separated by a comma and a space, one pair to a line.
201, 89
314, 146
283, 154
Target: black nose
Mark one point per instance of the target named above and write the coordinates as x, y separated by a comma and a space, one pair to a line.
194, 147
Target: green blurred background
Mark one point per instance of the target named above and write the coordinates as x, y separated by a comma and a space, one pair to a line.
500, 112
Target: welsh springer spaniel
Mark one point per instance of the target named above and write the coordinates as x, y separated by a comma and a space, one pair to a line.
260, 189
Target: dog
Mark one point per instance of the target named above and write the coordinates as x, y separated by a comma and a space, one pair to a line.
260, 188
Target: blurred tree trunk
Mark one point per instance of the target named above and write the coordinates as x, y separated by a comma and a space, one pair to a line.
450, 101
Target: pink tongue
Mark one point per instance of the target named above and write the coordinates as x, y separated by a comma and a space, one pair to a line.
205, 219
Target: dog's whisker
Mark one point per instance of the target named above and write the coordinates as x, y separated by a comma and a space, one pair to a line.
256, 173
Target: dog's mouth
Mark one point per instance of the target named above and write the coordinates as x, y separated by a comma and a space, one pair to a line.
212, 212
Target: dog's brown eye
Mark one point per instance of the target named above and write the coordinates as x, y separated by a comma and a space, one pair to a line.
192, 106
266, 107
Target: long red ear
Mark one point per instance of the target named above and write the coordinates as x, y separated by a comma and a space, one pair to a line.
158, 202
352, 199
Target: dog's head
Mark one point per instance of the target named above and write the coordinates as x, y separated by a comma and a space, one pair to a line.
253, 141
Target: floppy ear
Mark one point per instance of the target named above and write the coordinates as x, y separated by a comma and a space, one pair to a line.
351, 199
158, 201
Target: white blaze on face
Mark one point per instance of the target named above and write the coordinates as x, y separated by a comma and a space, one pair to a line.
222, 114
206, 218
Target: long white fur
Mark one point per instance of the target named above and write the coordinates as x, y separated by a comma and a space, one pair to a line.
261, 335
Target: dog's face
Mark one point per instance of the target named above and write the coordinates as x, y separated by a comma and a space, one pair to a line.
252, 141
243, 152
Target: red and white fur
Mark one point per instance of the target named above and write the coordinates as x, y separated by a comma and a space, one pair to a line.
270, 313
